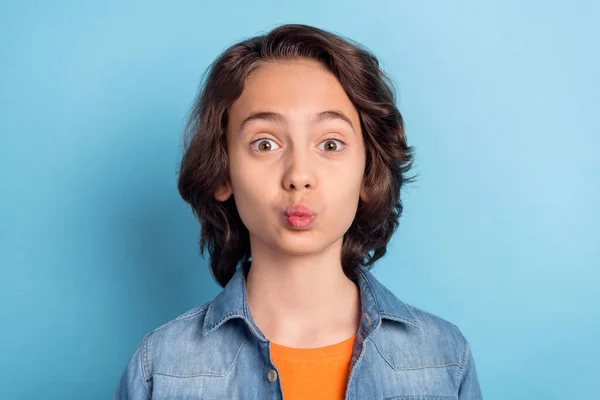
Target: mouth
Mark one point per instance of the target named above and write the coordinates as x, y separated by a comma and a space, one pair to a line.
300, 221
300, 217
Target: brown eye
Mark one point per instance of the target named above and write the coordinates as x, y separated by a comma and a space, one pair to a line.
264, 145
331, 145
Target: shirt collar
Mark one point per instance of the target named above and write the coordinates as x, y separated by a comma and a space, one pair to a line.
377, 302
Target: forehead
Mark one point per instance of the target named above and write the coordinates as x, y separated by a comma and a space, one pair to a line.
295, 88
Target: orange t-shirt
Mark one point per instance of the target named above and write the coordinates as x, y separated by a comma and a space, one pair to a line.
318, 373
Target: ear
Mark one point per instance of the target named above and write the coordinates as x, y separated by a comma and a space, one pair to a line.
364, 194
224, 192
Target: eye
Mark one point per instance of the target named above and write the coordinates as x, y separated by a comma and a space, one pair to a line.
331, 146
263, 145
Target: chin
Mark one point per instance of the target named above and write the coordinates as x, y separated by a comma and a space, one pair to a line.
302, 243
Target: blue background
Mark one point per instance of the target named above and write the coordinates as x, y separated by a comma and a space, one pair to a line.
500, 233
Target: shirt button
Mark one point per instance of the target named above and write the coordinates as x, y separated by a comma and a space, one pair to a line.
272, 376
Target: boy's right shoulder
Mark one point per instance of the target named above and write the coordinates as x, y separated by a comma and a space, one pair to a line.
179, 346
185, 328
188, 325
191, 316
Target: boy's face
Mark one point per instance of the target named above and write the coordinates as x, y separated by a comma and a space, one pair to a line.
319, 163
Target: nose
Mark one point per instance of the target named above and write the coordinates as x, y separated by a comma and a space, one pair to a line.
299, 174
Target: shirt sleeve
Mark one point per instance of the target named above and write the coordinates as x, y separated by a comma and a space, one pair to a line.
133, 384
469, 388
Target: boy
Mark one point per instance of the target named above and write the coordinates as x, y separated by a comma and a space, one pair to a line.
295, 156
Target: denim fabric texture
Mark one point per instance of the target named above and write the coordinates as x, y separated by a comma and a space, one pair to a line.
216, 351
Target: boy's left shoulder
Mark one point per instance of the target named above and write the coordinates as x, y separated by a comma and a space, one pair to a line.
428, 340
417, 321
435, 325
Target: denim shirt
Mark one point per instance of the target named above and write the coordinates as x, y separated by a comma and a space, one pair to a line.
216, 351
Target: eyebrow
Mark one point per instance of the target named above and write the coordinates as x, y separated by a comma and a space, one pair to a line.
328, 115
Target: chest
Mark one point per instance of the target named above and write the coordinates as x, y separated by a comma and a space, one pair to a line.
372, 373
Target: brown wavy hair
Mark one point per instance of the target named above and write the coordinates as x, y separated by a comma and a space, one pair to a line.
204, 166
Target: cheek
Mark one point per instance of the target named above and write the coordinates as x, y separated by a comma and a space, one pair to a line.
252, 192
346, 201
344, 193
348, 178
251, 180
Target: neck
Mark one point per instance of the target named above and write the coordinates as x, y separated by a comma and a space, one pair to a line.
303, 302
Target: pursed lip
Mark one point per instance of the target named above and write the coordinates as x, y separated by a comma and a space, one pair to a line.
299, 210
